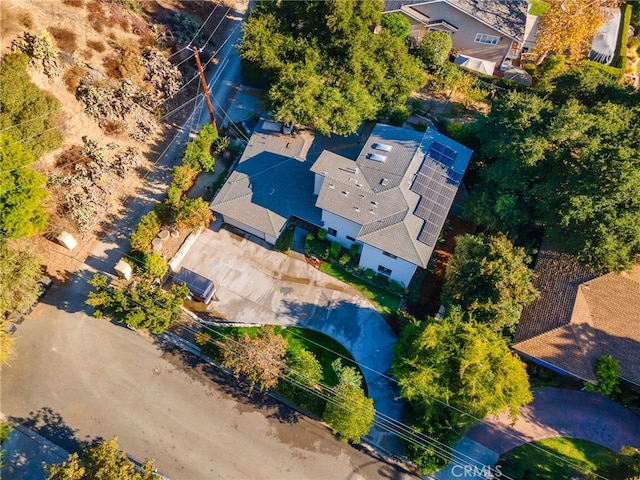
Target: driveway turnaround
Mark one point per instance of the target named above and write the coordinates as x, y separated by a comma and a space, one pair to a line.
557, 412
257, 285
78, 379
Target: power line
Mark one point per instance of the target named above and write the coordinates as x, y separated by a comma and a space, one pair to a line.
378, 373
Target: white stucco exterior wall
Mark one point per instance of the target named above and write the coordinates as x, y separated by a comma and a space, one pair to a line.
401, 270
317, 183
342, 226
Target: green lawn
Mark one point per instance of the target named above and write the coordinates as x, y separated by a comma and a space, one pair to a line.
568, 457
385, 302
538, 7
322, 347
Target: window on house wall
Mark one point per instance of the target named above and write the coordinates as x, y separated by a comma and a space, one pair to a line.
332, 231
351, 239
384, 270
390, 255
486, 39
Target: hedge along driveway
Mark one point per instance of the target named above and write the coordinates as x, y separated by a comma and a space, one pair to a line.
257, 285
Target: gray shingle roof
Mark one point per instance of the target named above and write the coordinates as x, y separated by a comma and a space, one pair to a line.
374, 191
271, 183
506, 16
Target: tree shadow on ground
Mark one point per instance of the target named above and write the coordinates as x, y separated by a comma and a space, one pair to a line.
51, 425
201, 369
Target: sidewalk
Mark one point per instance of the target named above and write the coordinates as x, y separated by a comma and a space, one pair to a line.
26, 454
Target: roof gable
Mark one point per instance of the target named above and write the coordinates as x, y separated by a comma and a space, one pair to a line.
580, 317
508, 17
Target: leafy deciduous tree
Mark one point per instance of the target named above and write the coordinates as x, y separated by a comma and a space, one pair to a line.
27, 114
259, 358
569, 25
104, 461
140, 304
489, 277
349, 413
326, 67
397, 24
454, 371
22, 192
434, 49
19, 275
193, 213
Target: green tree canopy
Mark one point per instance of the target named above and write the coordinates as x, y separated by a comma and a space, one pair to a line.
326, 67
104, 461
454, 371
397, 24
568, 164
434, 49
349, 412
489, 277
27, 113
22, 191
141, 304
608, 375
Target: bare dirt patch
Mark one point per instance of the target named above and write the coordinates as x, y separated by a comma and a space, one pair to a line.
428, 301
86, 32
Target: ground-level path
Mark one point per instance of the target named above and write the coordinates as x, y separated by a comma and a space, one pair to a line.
557, 412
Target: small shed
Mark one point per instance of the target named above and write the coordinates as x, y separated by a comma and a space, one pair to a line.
123, 270
66, 240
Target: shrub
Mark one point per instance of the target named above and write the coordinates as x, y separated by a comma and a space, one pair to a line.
65, 39
40, 50
145, 232
608, 375
197, 155
344, 259
635, 14
97, 45
283, 243
530, 68
398, 116
334, 250
154, 265
193, 213
369, 274
72, 77
74, 3
322, 234
354, 250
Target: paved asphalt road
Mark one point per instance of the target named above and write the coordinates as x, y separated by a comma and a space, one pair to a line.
77, 378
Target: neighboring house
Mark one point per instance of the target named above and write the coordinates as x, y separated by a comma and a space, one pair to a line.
392, 198
489, 31
580, 317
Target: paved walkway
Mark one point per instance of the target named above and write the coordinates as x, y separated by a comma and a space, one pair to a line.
256, 285
557, 412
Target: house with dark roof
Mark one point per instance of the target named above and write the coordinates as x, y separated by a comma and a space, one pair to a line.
392, 199
580, 317
486, 33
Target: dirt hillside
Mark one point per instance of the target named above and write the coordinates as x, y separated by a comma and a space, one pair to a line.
117, 51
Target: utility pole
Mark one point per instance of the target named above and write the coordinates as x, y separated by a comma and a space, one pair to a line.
205, 88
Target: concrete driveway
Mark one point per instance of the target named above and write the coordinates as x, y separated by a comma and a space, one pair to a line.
258, 285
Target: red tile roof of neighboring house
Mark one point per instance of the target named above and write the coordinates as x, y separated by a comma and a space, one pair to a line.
580, 317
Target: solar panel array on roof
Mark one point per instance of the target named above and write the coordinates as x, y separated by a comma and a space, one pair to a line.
443, 154
437, 183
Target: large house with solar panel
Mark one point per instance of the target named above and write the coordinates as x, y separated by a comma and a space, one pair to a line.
391, 196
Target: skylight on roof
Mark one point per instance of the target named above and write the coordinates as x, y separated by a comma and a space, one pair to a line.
376, 157
381, 146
